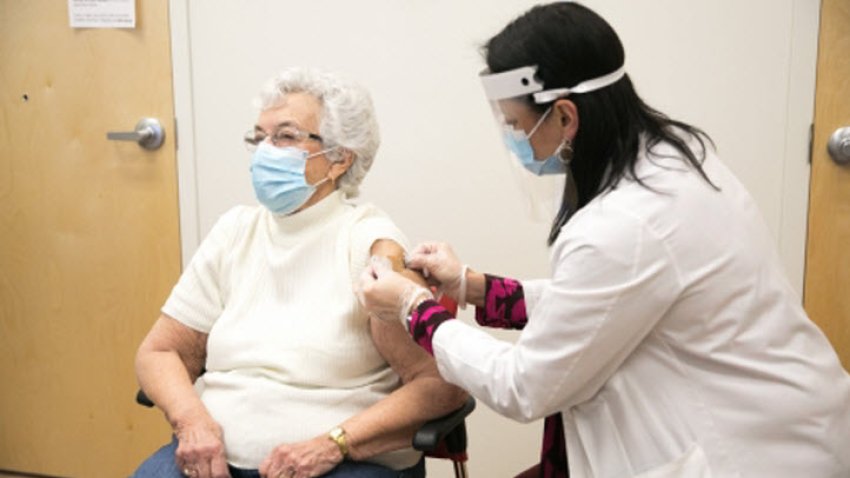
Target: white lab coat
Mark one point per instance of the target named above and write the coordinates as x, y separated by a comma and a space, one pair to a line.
670, 340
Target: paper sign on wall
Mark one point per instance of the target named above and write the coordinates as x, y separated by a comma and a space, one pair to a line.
102, 13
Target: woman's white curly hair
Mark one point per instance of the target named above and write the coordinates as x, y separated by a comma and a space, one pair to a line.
347, 119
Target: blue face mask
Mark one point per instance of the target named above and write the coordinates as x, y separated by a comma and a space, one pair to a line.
278, 177
519, 143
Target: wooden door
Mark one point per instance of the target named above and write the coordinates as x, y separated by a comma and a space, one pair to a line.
827, 287
89, 244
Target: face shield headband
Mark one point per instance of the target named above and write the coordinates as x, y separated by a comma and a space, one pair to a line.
523, 81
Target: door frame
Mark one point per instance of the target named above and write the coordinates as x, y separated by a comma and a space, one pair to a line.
184, 124
796, 165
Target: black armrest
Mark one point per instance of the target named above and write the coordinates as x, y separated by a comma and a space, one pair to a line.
143, 399
450, 427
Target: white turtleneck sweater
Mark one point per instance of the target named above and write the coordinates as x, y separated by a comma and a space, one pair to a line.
289, 353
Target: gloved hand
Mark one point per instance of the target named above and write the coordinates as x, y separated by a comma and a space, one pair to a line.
386, 294
440, 266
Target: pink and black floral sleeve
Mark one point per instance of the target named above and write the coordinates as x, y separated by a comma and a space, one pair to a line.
424, 322
504, 304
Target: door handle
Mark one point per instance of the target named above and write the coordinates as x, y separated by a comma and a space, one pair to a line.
839, 146
148, 134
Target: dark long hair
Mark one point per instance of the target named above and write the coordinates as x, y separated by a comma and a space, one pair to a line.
570, 43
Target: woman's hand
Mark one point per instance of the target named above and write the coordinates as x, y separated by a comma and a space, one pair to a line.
200, 448
302, 460
439, 263
386, 294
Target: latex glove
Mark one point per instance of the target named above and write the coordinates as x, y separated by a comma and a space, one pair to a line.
439, 263
386, 294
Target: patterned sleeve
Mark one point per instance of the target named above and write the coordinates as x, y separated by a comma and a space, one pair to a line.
424, 322
504, 304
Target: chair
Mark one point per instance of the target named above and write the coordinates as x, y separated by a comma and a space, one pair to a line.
445, 437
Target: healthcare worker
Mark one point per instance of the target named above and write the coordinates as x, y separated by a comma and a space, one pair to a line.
668, 337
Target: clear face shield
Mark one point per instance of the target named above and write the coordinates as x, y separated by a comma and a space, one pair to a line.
541, 179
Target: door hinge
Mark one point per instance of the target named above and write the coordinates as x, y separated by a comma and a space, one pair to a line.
811, 141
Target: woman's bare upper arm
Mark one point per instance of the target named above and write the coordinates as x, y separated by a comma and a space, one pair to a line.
395, 253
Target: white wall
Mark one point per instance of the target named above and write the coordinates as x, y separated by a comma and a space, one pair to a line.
743, 71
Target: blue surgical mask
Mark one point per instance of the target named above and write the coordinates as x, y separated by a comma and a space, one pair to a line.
519, 143
278, 177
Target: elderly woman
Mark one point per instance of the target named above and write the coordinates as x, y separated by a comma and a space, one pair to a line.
298, 381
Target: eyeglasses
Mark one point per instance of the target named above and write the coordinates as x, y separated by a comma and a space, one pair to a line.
282, 137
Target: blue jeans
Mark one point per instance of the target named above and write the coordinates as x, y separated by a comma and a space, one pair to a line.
162, 465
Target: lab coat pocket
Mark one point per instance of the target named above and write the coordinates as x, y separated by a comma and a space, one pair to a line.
693, 464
